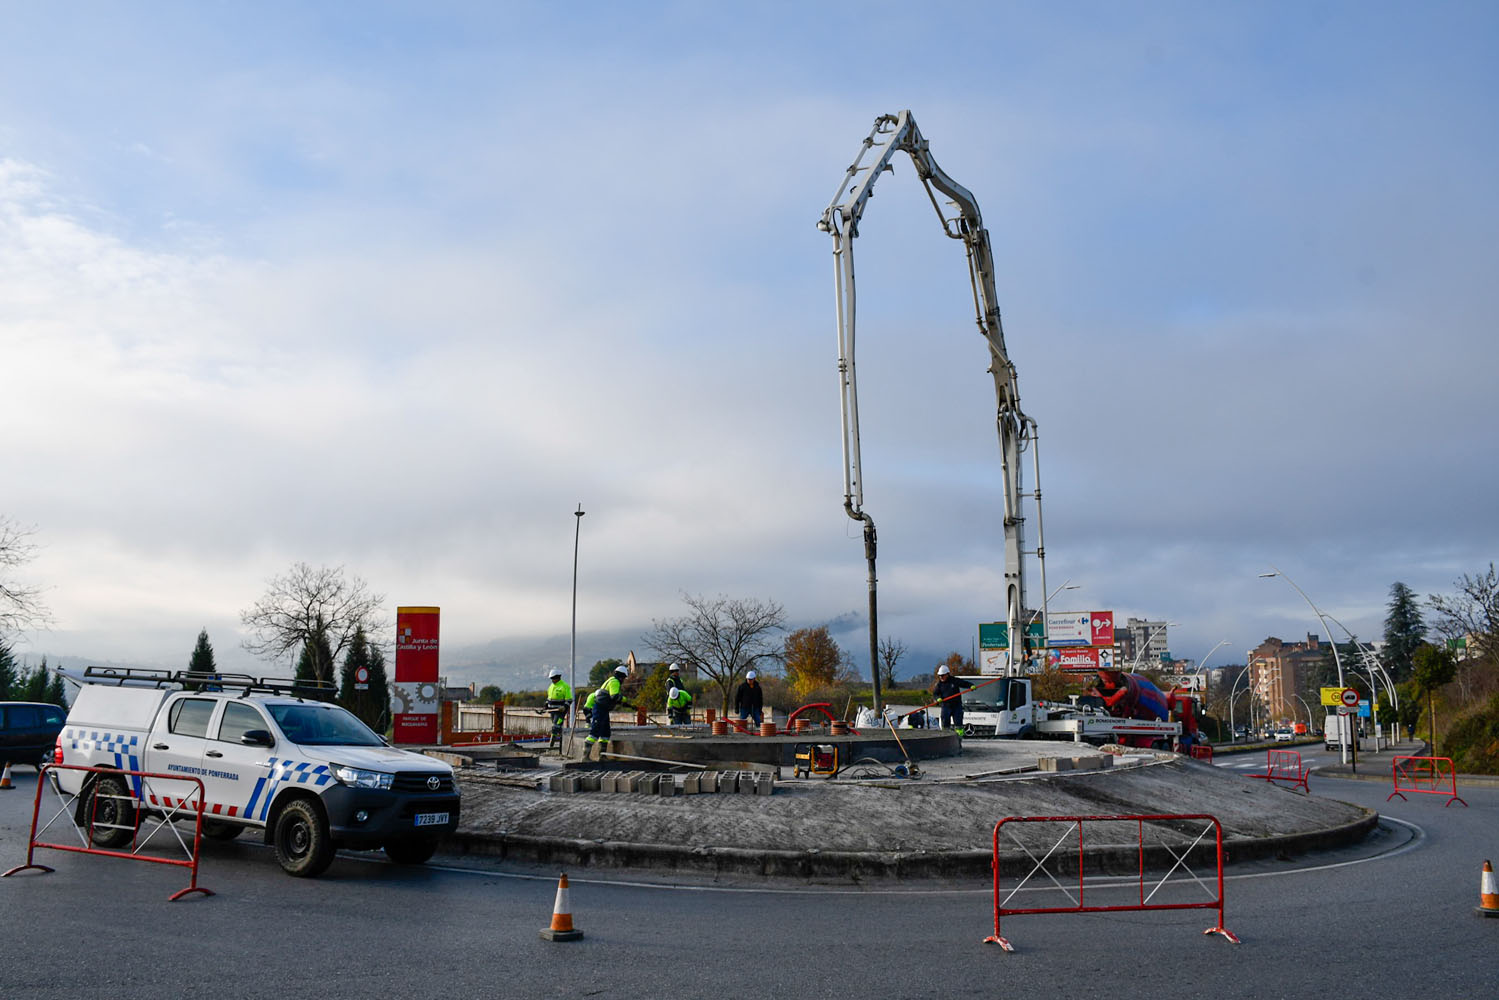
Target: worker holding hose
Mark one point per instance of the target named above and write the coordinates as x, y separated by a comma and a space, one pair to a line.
948, 690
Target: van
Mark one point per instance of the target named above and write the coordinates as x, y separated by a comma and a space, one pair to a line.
28, 731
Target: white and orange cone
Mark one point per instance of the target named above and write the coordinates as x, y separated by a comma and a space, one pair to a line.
562, 917
5, 784
1488, 893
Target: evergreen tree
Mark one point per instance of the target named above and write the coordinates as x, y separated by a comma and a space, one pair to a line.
1404, 631
56, 693
600, 672
379, 692
8, 676
201, 661
371, 702
34, 687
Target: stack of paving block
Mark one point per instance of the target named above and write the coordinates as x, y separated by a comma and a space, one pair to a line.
1092, 762
662, 784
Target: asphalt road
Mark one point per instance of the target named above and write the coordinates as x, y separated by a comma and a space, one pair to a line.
1392, 919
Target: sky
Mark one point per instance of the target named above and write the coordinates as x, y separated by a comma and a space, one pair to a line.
397, 286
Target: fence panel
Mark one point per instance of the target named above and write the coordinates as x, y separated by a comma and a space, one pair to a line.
149, 786
1074, 827
1424, 776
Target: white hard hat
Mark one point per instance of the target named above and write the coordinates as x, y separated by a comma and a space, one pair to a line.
554, 672
750, 676
622, 669
941, 670
673, 667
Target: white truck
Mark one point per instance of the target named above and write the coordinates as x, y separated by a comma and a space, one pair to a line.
273, 757
1337, 730
1003, 706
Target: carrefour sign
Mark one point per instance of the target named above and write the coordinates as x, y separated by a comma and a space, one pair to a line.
1080, 628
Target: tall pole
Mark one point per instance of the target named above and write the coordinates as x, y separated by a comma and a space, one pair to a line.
572, 656
1344, 735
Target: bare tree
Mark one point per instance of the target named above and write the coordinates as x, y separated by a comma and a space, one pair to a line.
21, 606
723, 637
891, 650
305, 603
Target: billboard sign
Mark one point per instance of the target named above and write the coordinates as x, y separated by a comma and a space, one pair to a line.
1069, 628
415, 709
1079, 659
996, 635
1101, 624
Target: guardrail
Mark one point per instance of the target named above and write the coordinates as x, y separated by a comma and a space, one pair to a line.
1073, 827
1425, 776
1284, 765
168, 808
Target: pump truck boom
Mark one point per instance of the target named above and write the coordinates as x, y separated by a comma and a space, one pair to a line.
1017, 432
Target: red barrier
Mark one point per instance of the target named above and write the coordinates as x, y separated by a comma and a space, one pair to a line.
1284, 765
169, 807
1425, 776
1075, 824
1202, 751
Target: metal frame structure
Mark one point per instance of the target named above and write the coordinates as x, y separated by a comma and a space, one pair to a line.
1017, 432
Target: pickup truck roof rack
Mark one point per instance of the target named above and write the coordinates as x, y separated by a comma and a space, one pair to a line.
192, 680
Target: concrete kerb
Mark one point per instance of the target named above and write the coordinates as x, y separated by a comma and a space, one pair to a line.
873, 864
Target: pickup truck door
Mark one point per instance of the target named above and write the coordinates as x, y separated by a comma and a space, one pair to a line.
233, 772
176, 747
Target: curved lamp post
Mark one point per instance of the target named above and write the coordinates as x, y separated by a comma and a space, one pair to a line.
572, 656
1343, 744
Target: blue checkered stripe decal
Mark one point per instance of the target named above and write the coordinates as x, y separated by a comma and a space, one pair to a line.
284, 772
123, 747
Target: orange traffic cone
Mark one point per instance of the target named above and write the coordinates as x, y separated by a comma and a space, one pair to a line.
562, 917
1488, 893
5, 784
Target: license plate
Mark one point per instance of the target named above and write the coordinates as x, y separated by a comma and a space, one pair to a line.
431, 819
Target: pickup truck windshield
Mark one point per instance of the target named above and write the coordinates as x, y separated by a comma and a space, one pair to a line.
323, 726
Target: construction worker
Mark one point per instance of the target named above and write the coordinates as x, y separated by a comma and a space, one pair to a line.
749, 699
678, 698
604, 700
947, 689
559, 700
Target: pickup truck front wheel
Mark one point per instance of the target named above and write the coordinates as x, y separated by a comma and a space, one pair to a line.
300, 840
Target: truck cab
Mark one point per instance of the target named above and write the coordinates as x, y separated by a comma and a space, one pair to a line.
999, 707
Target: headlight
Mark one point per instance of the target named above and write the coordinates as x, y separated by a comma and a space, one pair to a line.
356, 778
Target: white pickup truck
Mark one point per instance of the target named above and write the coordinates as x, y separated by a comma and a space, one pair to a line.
272, 756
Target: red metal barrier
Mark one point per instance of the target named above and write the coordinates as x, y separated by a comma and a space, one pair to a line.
1202, 751
1426, 776
1284, 765
1143, 901
170, 807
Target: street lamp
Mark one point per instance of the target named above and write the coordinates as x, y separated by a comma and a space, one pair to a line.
1342, 740
1233, 733
1371, 663
1067, 584
572, 657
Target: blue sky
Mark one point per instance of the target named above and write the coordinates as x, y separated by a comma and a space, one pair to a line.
395, 286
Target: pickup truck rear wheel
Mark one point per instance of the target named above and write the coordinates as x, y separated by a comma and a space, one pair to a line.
301, 842
109, 812
411, 852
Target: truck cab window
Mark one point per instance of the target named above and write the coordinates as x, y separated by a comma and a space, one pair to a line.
238, 720
190, 717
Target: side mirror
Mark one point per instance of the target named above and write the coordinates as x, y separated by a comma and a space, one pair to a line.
257, 738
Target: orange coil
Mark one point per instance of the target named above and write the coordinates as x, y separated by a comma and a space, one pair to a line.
720, 727
767, 729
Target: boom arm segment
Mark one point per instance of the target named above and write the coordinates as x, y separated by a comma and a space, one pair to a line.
892, 134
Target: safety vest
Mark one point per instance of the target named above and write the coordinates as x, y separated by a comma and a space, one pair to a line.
559, 691
677, 697
609, 691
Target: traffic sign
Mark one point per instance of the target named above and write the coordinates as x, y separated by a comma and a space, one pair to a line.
1349, 697
1346, 710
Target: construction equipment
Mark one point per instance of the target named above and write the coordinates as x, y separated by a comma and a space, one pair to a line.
815, 758
1017, 432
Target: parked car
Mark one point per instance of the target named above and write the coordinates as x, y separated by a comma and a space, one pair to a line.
1284, 736
28, 731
